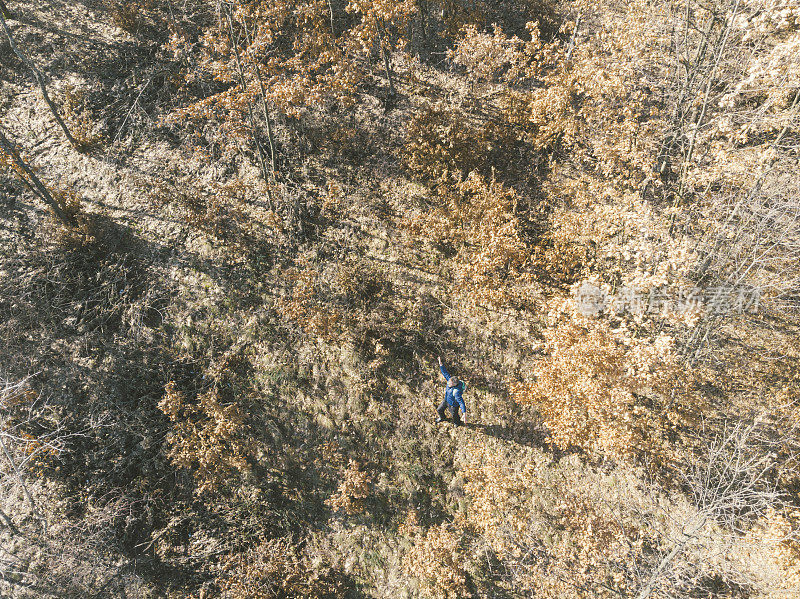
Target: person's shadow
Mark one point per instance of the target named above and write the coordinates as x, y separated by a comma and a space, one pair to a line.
524, 435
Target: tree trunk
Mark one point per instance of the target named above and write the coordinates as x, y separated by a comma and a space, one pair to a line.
387, 65
35, 183
243, 83
39, 78
573, 39
333, 29
270, 136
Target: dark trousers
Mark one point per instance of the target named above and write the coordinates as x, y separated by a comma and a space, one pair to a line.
453, 410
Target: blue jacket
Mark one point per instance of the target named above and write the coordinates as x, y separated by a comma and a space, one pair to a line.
453, 395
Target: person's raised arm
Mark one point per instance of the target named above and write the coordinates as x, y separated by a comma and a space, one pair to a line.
443, 370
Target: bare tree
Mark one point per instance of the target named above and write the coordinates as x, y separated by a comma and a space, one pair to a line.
732, 482
727, 110
70, 560
18, 449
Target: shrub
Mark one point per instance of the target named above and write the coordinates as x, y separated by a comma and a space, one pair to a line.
595, 390
557, 531
478, 217
437, 560
354, 488
361, 282
210, 436
304, 306
127, 15
441, 142
79, 119
277, 568
73, 228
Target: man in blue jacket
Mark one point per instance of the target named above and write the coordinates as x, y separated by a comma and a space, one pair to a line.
453, 397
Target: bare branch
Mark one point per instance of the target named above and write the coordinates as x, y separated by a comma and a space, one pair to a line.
39, 78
